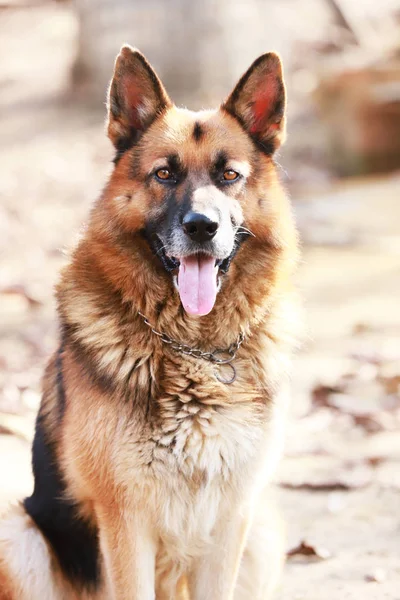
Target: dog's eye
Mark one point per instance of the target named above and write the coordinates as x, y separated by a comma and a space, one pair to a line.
230, 175
164, 174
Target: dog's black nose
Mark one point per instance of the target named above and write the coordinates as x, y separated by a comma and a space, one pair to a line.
199, 227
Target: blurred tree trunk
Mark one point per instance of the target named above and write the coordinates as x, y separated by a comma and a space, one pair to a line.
199, 48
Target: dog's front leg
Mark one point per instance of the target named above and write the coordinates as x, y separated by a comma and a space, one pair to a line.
129, 550
214, 575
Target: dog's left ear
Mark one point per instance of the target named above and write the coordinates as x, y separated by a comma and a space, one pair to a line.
136, 96
258, 102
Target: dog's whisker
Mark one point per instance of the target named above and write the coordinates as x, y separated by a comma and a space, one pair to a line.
282, 169
159, 250
244, 230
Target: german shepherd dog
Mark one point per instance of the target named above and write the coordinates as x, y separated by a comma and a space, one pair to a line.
162, 410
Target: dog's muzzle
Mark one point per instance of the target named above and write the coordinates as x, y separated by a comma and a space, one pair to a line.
200, 248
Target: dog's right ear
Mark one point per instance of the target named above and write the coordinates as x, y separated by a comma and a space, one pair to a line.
136, 96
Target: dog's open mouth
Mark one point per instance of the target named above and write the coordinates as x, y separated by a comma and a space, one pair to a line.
197, 280
197, 277
198, 283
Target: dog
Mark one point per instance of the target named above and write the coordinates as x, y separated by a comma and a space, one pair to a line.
163, 408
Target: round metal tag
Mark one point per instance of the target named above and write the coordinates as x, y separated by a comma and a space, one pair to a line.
221, 376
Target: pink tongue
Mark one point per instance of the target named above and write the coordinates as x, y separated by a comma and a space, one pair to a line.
197, 284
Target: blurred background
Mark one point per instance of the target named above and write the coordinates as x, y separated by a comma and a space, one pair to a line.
339, 483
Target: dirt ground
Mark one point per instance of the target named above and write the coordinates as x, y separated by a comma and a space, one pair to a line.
339, 483
341, 473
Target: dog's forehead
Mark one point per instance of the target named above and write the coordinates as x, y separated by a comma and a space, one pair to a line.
198, 137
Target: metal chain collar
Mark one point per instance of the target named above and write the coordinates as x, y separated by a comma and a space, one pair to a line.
197, 353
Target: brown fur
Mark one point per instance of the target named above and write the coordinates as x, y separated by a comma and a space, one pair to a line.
167, 462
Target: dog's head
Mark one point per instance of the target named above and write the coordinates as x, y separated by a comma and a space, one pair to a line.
195, 185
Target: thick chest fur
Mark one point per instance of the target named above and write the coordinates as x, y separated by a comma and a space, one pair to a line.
189, 426
183, 445
203, 461
205, 440
198, 427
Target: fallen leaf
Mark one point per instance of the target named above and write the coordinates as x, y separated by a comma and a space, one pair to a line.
5, 430
369, 423
391, 384
368, 398
377, 576
375, 461
311, 552
321, 394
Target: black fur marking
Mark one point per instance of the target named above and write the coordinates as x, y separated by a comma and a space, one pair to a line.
73, 540
220, 162
219, 167
224, 266
160, 307
278, 109
171, 207
176, 166
87, 362
185, 204
169, 263
267, 147
124, 144
198, 132
60, 379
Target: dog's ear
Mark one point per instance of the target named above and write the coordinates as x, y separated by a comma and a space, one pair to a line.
136, 96
258, 102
